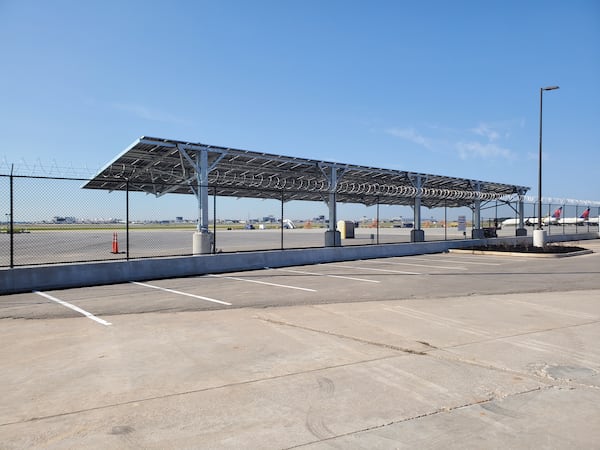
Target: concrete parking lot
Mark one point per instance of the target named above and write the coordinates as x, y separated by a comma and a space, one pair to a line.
428, 351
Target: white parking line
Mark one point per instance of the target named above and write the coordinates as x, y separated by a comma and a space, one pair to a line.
414, 264
181, 293
264, 282
372, 268
328, 275
459, 259
73, 307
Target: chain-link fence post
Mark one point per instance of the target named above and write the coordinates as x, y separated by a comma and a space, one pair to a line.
12, 215
282, 200
127, 219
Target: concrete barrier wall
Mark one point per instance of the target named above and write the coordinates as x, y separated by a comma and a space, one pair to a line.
27, 279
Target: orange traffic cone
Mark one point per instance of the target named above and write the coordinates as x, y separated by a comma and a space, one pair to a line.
115, 243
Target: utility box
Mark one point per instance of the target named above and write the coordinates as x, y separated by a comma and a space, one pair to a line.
346, 229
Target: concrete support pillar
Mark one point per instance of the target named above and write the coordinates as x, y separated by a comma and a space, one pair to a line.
202, 243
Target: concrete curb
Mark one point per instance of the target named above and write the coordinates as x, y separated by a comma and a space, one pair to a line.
523, 254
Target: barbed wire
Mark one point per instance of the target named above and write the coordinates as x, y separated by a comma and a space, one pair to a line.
561, 201
53, 169
45, 169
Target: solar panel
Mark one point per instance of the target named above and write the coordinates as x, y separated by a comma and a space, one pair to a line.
159, 166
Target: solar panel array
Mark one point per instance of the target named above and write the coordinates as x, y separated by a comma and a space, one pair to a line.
159, 166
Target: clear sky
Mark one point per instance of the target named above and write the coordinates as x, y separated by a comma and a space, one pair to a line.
442, 87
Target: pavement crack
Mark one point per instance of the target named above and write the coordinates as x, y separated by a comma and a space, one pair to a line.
422, 416
526, 333
194, 391
427, 344
343, 336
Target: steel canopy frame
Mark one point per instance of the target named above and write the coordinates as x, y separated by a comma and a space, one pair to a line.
160, 166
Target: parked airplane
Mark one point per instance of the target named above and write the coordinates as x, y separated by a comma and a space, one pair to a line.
287, 223
552, 220
575, 220
592, 221
587, 220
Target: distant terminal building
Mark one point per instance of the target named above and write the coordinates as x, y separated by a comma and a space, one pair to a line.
61, 220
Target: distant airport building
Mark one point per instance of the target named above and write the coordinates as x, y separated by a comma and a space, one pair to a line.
61, 220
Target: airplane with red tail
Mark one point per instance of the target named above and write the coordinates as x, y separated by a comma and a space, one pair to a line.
551, 220
576, 220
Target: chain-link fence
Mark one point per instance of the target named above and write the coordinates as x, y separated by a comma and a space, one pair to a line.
48, 220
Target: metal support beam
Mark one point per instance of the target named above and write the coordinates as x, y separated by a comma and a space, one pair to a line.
477, 205
477, 232
477, 214
521, 230
521, 212
417, 234
332, 236
331, 199
202, 240
202, 189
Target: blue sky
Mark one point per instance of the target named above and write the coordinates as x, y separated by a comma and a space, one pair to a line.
449, 88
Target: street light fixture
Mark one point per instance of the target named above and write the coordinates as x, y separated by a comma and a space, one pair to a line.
539, 223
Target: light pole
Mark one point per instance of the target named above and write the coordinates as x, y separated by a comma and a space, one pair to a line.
538, 241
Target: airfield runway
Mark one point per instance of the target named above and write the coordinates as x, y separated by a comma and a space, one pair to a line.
428, 351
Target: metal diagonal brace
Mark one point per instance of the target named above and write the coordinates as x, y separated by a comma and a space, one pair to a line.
333, 177
201, 167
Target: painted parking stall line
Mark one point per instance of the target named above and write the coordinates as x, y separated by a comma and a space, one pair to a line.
376, 270
264, 282
74, 308
328, 275
478, 258
187, 294
443, 321
458, 259
429, 266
